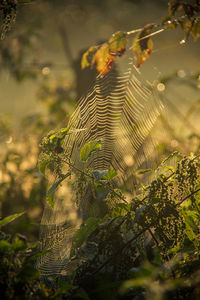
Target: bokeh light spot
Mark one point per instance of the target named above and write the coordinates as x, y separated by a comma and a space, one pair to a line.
128, 159
46, 71
181, 73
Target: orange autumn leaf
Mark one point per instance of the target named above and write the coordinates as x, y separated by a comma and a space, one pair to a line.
103, 59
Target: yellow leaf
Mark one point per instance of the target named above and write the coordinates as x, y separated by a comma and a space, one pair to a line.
117, 43
88, 57
142, 46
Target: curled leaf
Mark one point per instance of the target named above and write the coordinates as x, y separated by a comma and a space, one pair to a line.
117, 43
103, 59
51, 191
142, 45
43, 165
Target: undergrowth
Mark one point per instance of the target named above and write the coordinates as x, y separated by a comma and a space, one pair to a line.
144, 248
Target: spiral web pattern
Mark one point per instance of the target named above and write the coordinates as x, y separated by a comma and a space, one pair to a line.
122, 110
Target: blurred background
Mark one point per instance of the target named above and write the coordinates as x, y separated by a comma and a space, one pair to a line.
41, 81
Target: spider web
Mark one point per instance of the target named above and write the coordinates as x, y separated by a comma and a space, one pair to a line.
122, 110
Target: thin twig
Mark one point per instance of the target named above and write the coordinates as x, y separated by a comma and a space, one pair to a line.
152, 34
187, 197
119, 251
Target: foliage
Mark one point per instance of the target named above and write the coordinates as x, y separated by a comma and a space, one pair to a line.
142, 47
20, 279
104, 55
8, 13
145, 247
9, 219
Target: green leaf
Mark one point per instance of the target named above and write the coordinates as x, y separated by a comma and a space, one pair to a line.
142, 46
88, 148
170, 168
190, 227
120, 209
19, 244
117, 43
175, 153
143, 171
110, 175
43, 165
5, 245
51, 191
28, 273
59, 134
83, 232
9, 219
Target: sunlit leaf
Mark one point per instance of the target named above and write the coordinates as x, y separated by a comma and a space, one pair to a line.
117, 43
58, 134
9, 219
51, 191
88, 57
103, 59
190, 227
88, 148
110, 174
175, 153
170, 168
142, 46
143, 171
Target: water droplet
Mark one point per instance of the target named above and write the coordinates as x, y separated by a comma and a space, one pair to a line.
182, 42
160, 87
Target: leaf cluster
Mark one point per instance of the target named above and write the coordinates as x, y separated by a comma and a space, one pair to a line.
180, 13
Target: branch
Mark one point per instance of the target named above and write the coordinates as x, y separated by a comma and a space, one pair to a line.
187, 197
119, 251
92, 177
